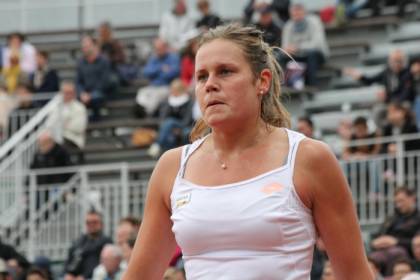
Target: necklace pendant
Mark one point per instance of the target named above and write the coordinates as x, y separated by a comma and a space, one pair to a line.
223, 166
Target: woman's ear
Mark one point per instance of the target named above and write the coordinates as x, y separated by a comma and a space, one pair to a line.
265, 81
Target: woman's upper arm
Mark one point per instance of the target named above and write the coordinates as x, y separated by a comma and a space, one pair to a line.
320, 182
156, 244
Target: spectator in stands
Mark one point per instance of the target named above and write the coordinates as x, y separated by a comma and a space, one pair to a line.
304, 38
188, 59
306, 126
271, 31
393, 240
361, 132
280, 7
94, 84
160, 70
84, 254
16, 43
208, 20
36, 274
127, 227
175, 24
68, 122
12, 74
176, 120
22, 103
401, 268
415, 248
415, 72
17, 264
110, 47
399, 121
7, 104
111, 258
44, 79
50, 154
396, 78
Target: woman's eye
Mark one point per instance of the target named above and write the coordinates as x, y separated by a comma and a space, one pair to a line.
225, 71
201, 77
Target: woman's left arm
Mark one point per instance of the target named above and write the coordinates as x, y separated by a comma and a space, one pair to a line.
322, 186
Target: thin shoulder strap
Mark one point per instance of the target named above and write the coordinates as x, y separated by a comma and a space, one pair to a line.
187, 150
294, 140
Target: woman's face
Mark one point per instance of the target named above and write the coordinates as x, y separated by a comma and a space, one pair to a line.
225, 86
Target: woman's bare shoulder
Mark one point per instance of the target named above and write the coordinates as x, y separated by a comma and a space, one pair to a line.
314, 153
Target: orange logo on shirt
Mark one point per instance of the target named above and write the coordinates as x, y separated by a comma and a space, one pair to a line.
274, 187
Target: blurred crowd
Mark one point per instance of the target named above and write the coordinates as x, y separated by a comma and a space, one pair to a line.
103, 68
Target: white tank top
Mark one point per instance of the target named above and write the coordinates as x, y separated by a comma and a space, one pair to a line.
253, 229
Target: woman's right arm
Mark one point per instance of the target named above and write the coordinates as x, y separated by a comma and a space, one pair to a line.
155, 243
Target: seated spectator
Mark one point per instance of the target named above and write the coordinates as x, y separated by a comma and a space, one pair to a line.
361, 132
415, 72
271, 31
13, 75
306, 126
84, 254
207, 20
68, 121
415, 248
44, 79
401, 268
160, 70
176, 120
393, 241
127, 227
7, 104
49, 155
280, 7
175, 24
110, 267
110, 47
304, 38
22, 104
396, 79
399, 121
94, 84
36, 274
16, 43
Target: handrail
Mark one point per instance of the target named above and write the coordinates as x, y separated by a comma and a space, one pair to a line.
19, 136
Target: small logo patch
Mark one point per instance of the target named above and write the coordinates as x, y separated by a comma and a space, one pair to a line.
183, 199
272, 188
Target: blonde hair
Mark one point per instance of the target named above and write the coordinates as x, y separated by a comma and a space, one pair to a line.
260, 56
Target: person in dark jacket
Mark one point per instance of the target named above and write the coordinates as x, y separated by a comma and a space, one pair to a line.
84, 254
393, 241
50, 154
272, 32
44, 79
176, 116
399, 121
208, 20
94, 83
280, 7
396, 78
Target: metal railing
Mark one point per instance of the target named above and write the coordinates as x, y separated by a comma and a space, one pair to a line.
50, 217
16, 155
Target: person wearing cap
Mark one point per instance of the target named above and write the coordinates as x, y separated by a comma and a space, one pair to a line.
305, 40
271, 31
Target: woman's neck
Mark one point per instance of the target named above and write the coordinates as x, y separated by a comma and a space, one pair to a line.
236, 140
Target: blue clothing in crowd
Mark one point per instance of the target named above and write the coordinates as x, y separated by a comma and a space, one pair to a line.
155, 69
